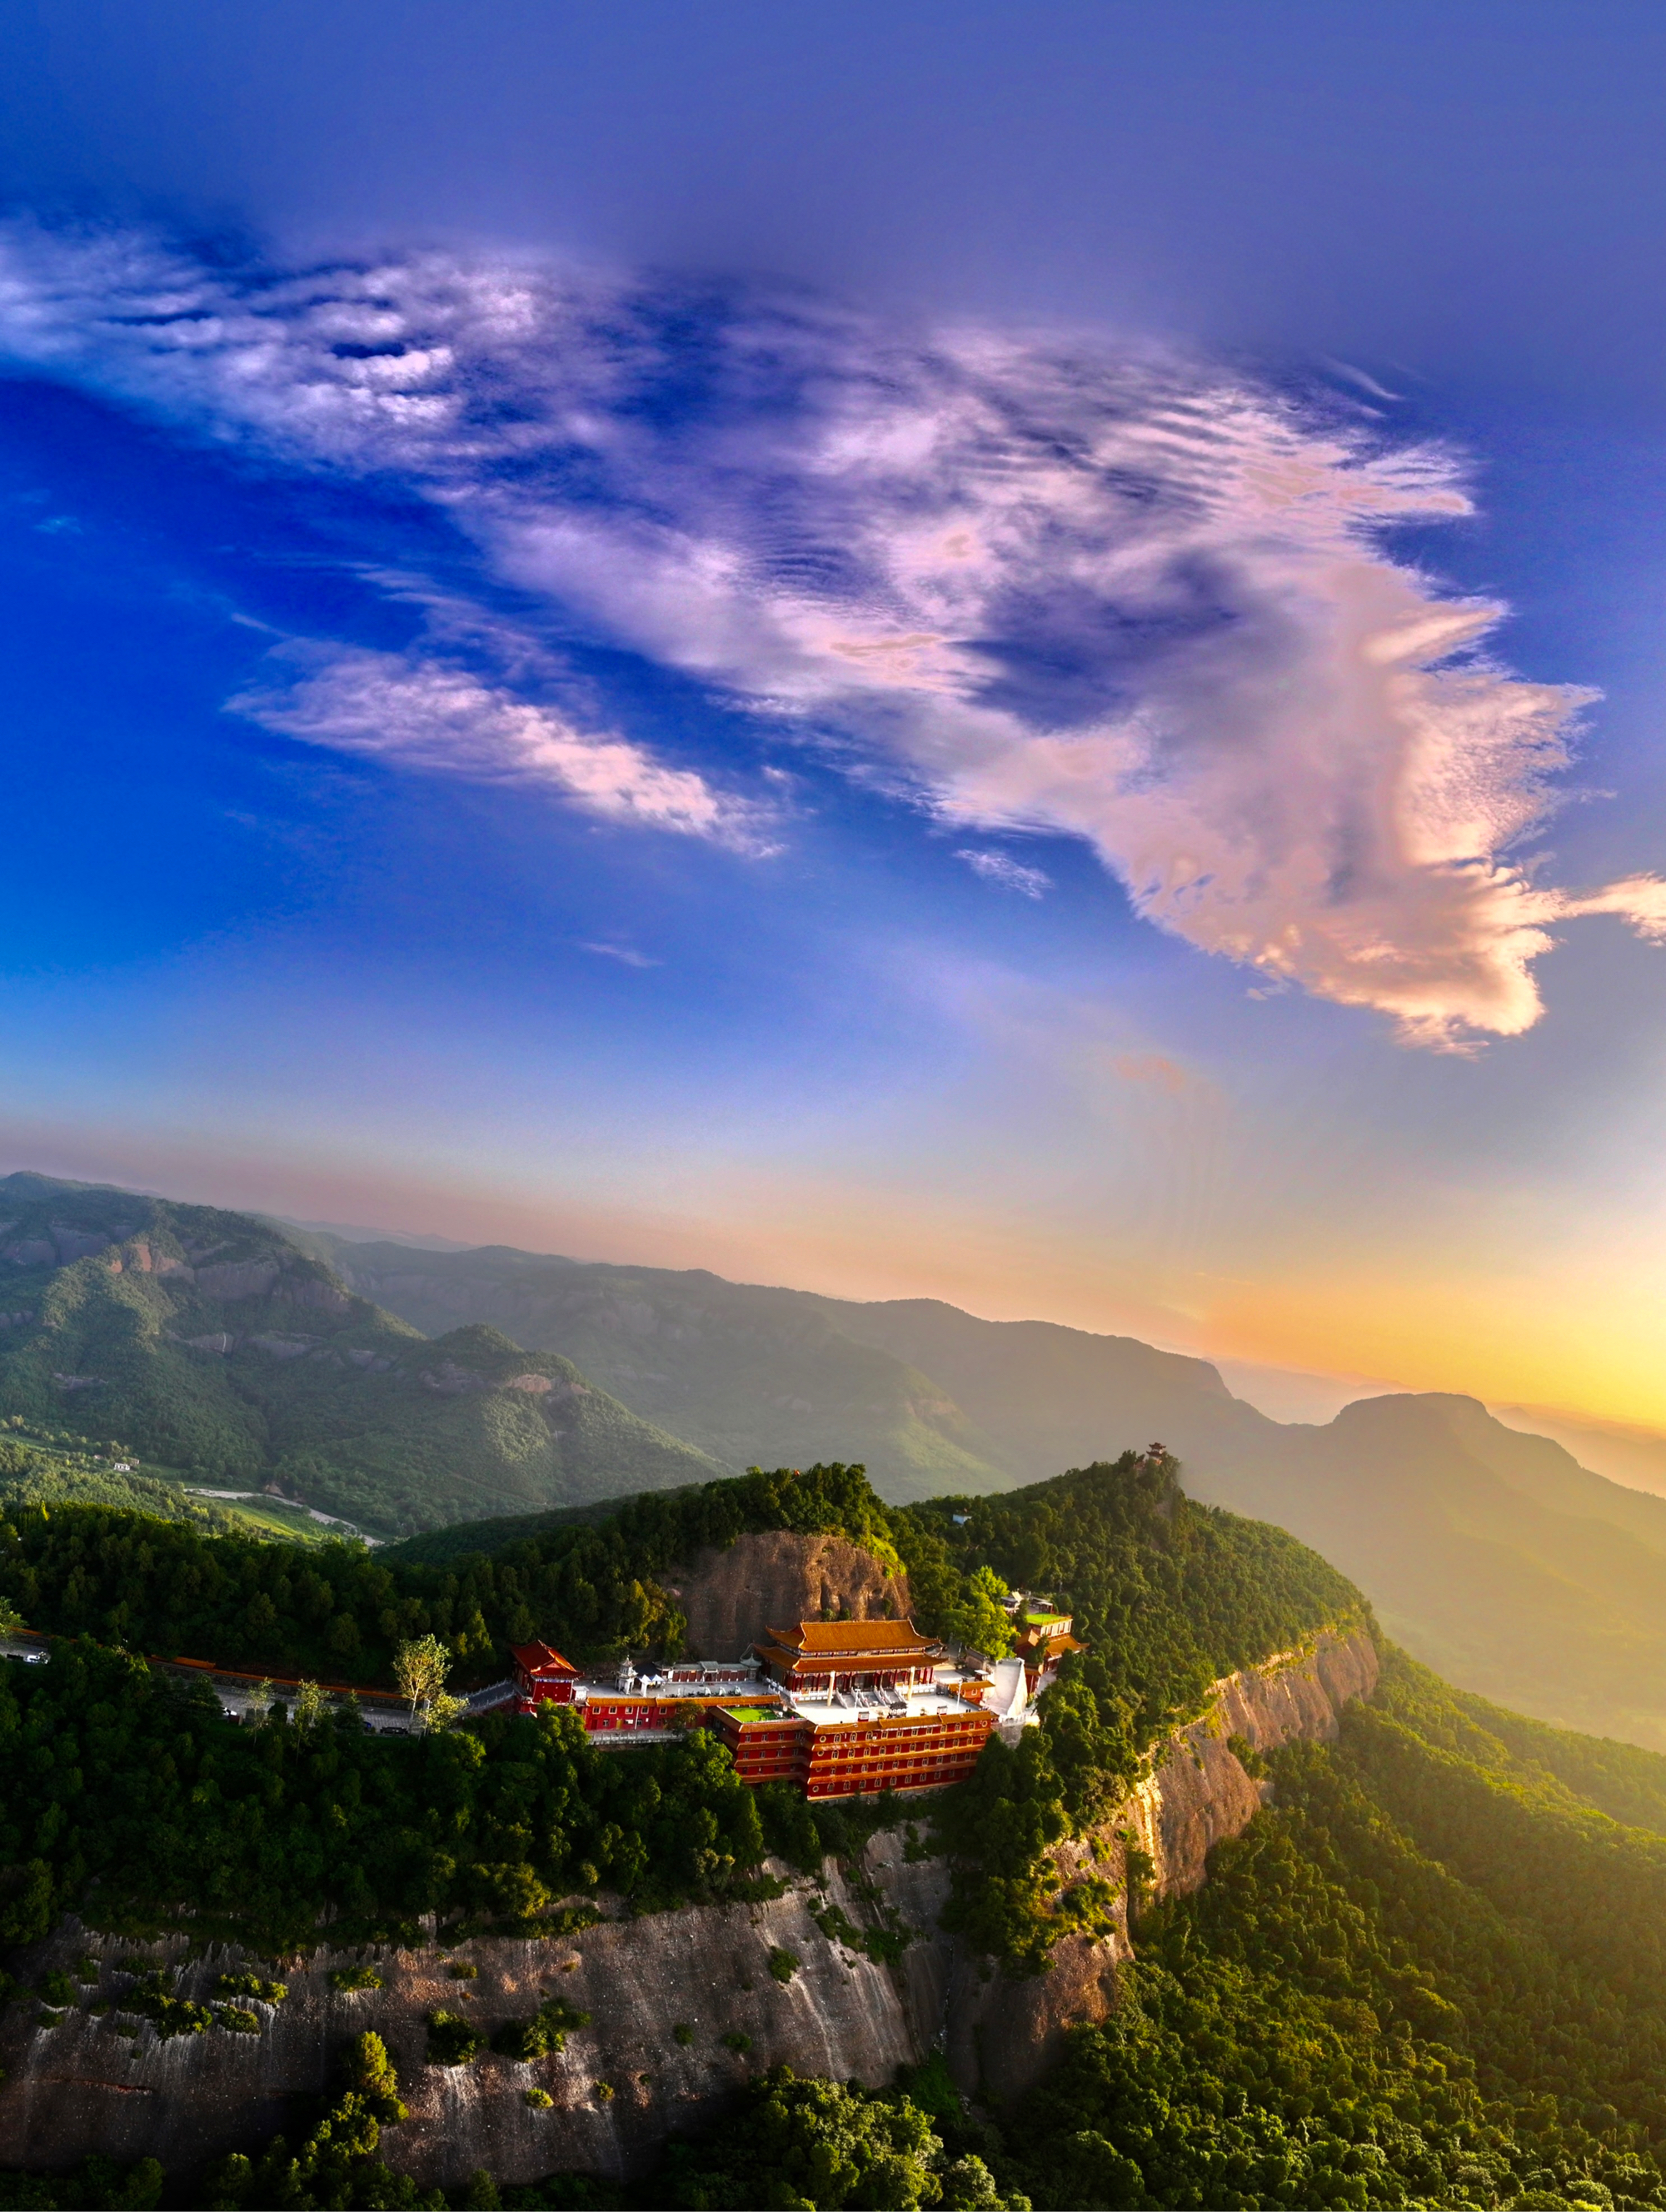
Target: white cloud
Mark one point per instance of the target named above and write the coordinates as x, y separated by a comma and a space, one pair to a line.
1037, 584
1012, 875
626, 955
425, 714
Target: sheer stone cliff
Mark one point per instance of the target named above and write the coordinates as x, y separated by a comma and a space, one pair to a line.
727, 1595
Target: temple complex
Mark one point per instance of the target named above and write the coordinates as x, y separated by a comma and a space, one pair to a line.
837, 1708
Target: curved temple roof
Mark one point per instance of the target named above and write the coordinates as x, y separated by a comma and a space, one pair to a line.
853, 1639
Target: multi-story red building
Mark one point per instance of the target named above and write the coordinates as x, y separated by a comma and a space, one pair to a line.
861, 1706
935, 1741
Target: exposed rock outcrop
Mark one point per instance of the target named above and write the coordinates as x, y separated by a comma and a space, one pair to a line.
1003, 2036
30, 1252
83, 2085
71, 1245
776, 1577
232, 1280
1200, 1793
322, 1297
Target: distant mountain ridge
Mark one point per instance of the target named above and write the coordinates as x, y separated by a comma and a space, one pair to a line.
211, 1342
1625, 1453
926, 1397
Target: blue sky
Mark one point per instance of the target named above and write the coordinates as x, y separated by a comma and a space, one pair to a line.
1005, 655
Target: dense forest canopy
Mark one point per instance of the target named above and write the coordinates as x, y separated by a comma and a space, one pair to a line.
1424, 1975
1172, 1592
131, 1798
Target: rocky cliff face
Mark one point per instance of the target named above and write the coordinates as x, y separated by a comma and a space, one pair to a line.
1004, 2036
776, 1577
625, 2081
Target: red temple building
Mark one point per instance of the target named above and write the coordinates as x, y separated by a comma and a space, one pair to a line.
820, 1658
542, 1676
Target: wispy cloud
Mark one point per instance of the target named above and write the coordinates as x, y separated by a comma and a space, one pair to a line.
626, 955
1034, 583
1012, 875
428, 714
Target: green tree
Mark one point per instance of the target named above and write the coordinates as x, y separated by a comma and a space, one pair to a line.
337, 2163
798, 2141
420, 1667
310, 1707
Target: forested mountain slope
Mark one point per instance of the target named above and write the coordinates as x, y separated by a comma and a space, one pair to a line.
215, 1346
753, 1375
1430, 1973
1174, 1594
1493, 1556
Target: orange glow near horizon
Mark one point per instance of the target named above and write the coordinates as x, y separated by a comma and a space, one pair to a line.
1589, 1351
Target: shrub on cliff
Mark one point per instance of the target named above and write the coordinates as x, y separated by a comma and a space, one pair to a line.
251, 1985
814, 2142
337, 2164
350, 1979
453, 2040
152, 1998
547, 2031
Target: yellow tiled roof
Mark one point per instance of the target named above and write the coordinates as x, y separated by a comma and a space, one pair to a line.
853, 1638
